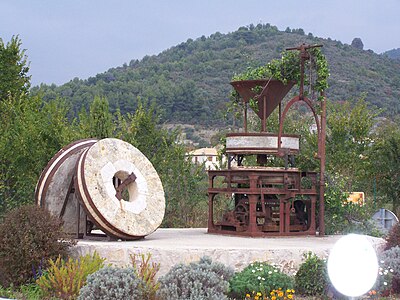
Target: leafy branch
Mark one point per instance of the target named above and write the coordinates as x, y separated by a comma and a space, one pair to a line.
287, 69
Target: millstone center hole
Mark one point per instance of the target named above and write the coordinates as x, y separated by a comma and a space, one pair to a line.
125, 189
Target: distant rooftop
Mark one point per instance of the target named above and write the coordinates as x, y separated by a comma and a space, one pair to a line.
204, 152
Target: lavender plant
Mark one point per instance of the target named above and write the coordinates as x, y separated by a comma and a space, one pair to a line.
204, 280
112, 283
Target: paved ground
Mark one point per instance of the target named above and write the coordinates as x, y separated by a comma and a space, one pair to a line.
200, 239
171, 246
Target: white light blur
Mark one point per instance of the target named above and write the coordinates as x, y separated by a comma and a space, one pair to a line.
353, 265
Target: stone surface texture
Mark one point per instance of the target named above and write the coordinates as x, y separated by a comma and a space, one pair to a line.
271, 142
171, 246
143, 212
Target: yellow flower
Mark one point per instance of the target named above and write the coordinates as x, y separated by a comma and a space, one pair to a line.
247, 295
273, 298
280, 294
373, 292
290, 296
256, 297
292, 291
259, 294
272, 293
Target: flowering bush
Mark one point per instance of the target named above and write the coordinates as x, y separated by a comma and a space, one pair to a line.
273, 295
384, 280
388, 280
259, 277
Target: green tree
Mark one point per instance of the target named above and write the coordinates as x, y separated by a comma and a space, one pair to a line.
32, 131
32, 134
349, 136
14, 79
385, 167
99, 122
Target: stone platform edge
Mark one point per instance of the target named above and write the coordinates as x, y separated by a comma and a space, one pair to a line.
169, 247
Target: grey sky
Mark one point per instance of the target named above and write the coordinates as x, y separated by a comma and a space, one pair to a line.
80, 38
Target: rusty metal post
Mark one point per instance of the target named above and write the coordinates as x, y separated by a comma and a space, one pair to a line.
253, 205
281, 215
287, 215
245, 117
252, 214
313, 204
211, 211
280, 112
322, 168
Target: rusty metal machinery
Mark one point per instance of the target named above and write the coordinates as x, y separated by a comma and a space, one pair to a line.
107, 185
264, 200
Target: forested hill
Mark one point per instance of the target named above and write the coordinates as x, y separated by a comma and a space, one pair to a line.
394, 53
190, 81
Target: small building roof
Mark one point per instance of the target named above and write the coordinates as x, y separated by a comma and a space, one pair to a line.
204, 152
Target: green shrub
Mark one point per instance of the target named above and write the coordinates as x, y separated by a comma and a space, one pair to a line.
204, 280
64, 279
29, 235
147, 272
312, 277
259, 277
112, 283
393, 238
30, 291
7, 292
342, 217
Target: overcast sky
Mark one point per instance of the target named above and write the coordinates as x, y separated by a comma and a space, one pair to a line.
80, 38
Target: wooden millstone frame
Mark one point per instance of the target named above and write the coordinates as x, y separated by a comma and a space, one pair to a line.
119, 189
56, 183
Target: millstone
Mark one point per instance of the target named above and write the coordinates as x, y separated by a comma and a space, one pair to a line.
141, 211
54, 185
115, 184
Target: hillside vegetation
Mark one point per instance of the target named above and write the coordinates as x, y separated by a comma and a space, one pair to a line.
190, 81
394, 53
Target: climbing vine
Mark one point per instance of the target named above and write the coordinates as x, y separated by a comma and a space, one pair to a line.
288, 69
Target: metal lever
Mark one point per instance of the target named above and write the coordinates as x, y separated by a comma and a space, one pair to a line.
131, 178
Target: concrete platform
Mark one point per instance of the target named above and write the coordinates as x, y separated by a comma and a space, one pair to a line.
171, 246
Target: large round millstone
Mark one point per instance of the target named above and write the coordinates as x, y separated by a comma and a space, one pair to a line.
53, 190
141, 210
